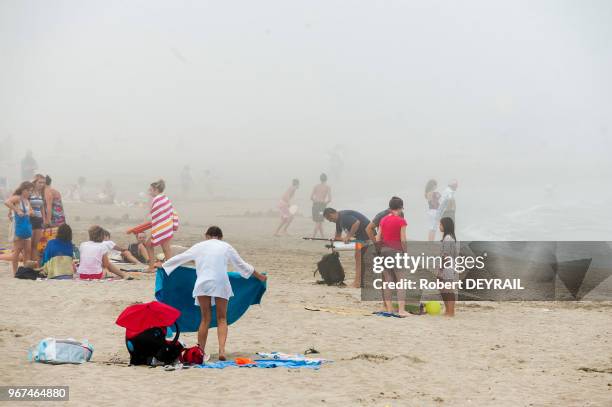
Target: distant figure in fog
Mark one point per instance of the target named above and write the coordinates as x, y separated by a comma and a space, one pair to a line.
28, 167
433, 204
107, 196
320, 197
448, 206
284, 206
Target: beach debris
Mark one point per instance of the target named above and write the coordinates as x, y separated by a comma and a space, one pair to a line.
595, 370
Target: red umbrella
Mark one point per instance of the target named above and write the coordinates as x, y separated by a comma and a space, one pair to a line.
140, 317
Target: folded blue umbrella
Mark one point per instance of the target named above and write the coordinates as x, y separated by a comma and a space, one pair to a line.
176, 290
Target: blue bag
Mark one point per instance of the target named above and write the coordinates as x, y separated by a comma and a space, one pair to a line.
23, 226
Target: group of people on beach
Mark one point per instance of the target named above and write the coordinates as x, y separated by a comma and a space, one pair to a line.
320, 196
91, 260
386, 231
33, 207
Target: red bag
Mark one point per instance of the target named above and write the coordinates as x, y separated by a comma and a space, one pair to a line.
193, 355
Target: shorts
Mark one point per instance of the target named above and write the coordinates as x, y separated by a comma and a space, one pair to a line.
432, 219
283, 207
317, 211
37, 222
91, 276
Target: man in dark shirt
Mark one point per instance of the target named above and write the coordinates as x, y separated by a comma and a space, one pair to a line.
354, 223
395, 202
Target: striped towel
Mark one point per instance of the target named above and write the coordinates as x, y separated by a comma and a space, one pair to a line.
164, 219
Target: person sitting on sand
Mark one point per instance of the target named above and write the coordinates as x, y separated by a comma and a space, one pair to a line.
20, 212
57, 260
136, 252
94, 262
354, 223
212, 286
449, 248
372, 227
320, 197
284, 206
164, 221
392, 238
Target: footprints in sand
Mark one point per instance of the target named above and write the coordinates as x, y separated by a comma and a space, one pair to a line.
380, 358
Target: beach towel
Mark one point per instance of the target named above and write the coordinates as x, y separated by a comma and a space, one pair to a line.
48, 234
57, 247
176, 290
164, 220
265, 364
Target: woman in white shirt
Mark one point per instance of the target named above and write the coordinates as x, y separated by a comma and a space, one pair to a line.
212, 286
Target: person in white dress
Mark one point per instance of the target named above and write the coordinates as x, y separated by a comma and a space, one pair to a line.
212, 286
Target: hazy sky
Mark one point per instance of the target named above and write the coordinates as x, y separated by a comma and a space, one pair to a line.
410, 89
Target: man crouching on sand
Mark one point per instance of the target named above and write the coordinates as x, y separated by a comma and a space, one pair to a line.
354, 223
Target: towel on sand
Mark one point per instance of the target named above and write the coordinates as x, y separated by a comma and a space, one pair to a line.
265, 364
176, 290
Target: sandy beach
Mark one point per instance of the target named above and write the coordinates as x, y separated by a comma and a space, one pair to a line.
503, 354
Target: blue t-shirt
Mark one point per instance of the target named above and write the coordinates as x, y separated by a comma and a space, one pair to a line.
347, 218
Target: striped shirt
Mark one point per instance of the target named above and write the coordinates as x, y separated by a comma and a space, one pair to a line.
163, 219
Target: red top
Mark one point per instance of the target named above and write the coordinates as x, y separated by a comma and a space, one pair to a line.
390, 231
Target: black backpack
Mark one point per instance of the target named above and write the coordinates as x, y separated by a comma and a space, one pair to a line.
151, 344
331, 269
26, 273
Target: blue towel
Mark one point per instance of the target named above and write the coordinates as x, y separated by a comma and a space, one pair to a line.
57, 247
387, 314
176, 290
265, 364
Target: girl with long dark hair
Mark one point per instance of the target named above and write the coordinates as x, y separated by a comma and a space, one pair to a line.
449, 251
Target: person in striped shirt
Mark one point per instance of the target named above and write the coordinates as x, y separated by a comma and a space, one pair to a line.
164, 222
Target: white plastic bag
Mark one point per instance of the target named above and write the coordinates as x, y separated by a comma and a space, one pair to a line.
60, 351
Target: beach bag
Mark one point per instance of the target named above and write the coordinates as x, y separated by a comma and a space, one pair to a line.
61, 351
26, 273
331, 269
193, 355
23, 226
151, 346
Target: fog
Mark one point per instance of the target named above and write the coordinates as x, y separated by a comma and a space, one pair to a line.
512, 98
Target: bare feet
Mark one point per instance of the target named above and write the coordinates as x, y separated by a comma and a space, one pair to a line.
222, 357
